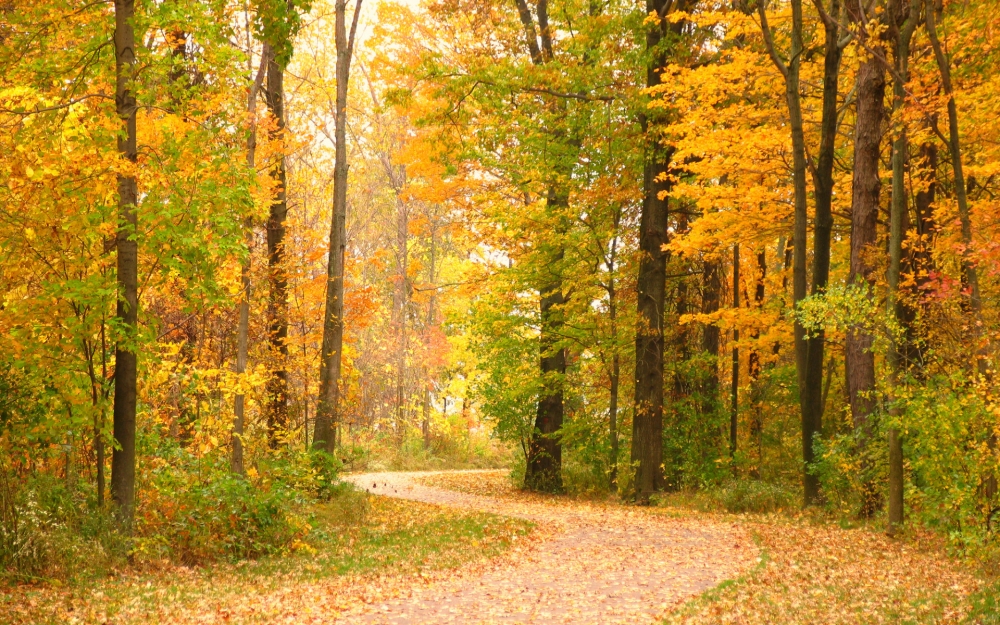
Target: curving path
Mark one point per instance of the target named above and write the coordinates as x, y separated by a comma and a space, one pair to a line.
590, 563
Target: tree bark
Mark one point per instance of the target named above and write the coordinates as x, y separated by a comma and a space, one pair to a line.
812, 393
544, 463
543, 471
735, 380
897, 217
711, 337
615, 378
647, 422
123, 455
277, 309
328, 407
243, 326
866, 187
753, 372
793, 99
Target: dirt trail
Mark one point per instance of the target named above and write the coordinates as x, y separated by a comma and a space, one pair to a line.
591, 564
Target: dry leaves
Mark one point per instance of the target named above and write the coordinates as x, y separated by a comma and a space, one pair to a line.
823, 574
585, 562
598, 563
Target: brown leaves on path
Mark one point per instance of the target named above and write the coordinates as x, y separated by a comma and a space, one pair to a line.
594, 563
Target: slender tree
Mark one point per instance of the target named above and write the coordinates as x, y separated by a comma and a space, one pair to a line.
243, 310
809, 349
544, 462
327, 410
277, 309
964, 216
902, 26
735, 378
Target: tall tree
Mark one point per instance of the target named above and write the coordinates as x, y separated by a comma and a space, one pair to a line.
647, 420
544, 462
903, 21
327, 409
735, 378
277, 309
243, 309
865, 192
809, 350
123, 456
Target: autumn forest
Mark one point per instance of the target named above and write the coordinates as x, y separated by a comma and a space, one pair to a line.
337, 311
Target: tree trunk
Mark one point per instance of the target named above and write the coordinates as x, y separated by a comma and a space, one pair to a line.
544, 463
753, 372
328, 407
735, 394
864, 220
712, 337
898, 352
429, 324
123, 455
277, 310
615, 361
544, 458
243, 327
812, 391
400, 310
793, 100
647, 422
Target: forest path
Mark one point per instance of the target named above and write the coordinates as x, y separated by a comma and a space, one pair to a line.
587, 562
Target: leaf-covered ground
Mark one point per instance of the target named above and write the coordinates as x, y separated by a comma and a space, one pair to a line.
353, 559
593, 561
810, 572
460, 548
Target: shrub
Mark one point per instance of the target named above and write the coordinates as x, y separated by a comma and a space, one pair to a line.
194, 511
48, 530
741, 496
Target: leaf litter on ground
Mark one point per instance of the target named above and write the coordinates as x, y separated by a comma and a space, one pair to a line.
458, 547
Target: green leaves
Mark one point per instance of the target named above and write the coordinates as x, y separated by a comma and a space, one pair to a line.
277, 22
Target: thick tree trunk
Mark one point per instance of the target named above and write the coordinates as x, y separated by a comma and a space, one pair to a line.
864, 220
647, 422
123, 455
544, 468
277, 309
328, 407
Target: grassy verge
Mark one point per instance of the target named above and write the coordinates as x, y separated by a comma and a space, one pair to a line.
354, 536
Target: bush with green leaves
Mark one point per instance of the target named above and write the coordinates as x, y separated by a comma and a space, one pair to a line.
194, 510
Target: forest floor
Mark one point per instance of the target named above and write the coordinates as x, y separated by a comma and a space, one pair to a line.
466, 547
